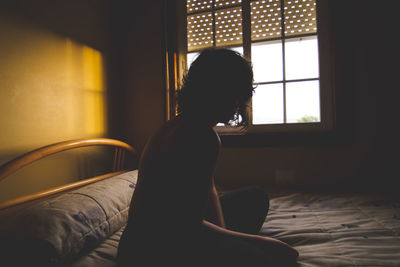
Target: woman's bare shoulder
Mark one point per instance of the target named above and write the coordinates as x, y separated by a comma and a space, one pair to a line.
199, 135
181, 135
181, 148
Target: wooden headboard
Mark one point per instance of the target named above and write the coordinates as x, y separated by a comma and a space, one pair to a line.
10, 167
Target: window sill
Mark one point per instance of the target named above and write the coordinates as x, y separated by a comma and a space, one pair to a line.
275, 128
298, 134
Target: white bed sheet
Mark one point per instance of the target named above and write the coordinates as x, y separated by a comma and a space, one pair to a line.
338, 230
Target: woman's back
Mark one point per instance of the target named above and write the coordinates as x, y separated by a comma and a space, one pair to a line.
175, 174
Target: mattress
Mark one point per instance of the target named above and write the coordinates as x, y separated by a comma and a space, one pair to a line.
327, 230
337, 230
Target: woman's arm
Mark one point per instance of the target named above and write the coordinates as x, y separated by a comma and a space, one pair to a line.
275, 248
214, 211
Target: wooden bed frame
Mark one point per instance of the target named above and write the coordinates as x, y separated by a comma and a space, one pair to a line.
15, 204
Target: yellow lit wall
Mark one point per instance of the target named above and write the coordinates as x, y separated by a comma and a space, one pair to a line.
52, 89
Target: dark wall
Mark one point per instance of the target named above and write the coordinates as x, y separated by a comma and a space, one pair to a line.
379, 41
84, 21
137, 30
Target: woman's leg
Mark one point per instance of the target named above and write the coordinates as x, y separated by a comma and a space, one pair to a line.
245, 209
219, 249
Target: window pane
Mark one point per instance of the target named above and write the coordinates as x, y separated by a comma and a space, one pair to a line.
190, 57
238, 49
301, 58
302, 102
268, 104
267, 61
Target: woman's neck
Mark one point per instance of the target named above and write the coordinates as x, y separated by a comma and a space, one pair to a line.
198, 119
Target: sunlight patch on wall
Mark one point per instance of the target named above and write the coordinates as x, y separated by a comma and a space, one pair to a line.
85, 70
94, 91
52, 87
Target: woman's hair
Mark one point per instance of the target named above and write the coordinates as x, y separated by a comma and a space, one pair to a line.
218, 85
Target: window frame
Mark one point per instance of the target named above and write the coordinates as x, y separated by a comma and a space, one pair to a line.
326, 77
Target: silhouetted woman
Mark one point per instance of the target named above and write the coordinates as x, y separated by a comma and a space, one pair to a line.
176, 217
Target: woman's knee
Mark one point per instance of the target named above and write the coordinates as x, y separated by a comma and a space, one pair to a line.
245, 209
254, 197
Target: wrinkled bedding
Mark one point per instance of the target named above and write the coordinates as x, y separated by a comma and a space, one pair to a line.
327, 229
102, 256
338, 230
83, 227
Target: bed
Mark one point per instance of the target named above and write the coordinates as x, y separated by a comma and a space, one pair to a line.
80, 224
339, 229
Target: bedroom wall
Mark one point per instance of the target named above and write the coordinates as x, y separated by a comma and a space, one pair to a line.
128, 36
137, 47
358, 155
53, 88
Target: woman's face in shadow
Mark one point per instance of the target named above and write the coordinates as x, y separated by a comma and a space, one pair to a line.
228, 106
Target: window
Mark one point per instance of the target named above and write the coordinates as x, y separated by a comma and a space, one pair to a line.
282, 41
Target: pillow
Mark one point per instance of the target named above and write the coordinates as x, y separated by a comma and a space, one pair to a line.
76, 222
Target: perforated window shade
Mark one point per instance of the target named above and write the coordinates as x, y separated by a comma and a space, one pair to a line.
219, 22
228, 26
265, 19
300, 17
226, 3
206, 5
198, 5
213, 23
200, 31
